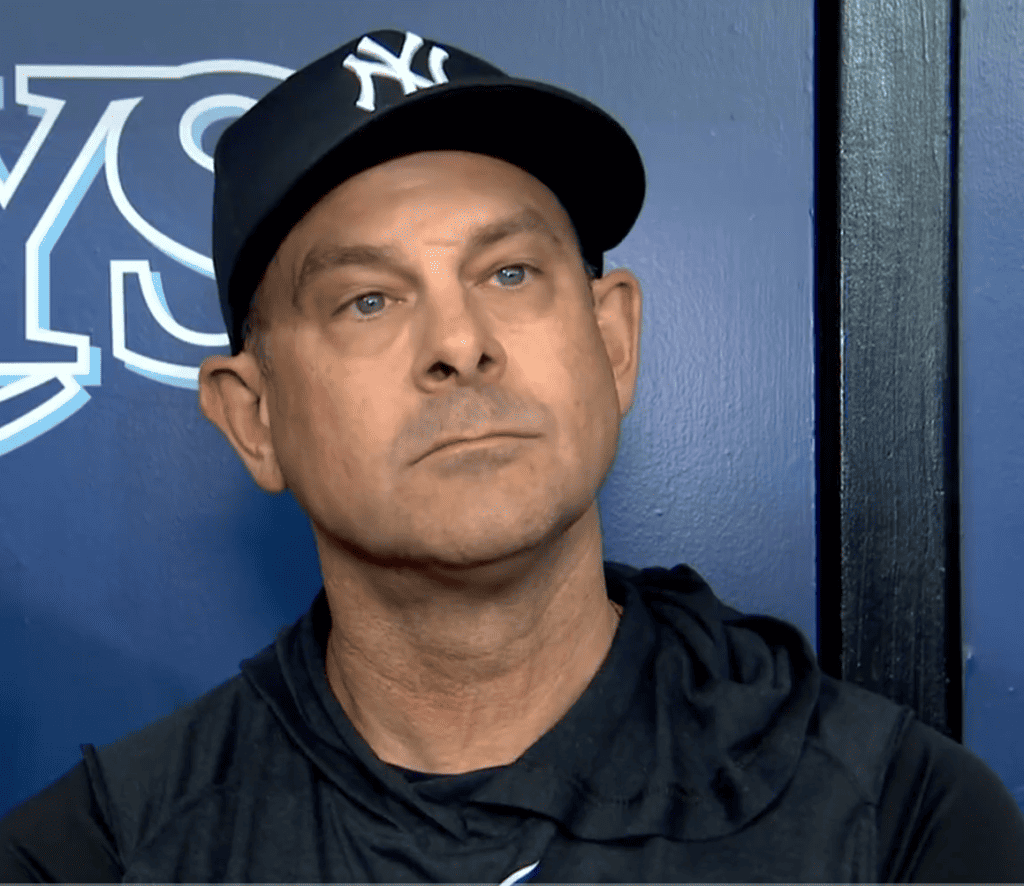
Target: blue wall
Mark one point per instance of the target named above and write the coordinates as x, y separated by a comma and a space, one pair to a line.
992, 383
139, 562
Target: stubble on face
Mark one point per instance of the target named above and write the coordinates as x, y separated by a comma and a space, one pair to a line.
448, 352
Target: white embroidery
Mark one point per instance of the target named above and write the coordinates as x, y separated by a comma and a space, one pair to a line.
393, 67
519, 875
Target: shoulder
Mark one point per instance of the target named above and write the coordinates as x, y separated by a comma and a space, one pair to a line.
144, 778
83, 826
942, 814
860, 731
945, 816
57, 836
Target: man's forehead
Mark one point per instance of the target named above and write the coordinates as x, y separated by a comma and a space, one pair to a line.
339, 231
471, 229
334, 252
473, 195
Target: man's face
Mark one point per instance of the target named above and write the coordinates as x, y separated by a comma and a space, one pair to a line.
440, 295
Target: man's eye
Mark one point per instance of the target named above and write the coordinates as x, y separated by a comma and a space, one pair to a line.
367, 305
513, 275
372, 304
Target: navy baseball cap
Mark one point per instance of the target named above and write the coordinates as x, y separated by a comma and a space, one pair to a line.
388, 94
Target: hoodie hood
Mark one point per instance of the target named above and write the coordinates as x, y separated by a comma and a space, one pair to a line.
694, 723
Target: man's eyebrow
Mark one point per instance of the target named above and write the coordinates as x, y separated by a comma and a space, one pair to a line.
326, 257
527, 220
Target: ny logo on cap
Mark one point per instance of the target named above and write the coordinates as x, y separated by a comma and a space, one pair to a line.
393, 67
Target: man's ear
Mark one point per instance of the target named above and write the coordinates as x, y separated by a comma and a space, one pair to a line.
618, 308
233, 396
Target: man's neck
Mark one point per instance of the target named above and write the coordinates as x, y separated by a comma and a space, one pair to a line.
454, 684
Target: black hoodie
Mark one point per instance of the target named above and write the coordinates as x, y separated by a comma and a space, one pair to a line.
708, 747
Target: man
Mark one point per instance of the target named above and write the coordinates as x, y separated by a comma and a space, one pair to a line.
426, 352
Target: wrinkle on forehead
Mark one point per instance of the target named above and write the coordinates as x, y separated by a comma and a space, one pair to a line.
538, 207
329, 256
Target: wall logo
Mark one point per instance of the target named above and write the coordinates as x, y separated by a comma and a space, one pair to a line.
393, 67
101, 151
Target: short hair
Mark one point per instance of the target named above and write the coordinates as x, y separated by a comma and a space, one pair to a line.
256, 332
256, 328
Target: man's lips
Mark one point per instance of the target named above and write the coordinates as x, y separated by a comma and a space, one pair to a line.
496, 435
